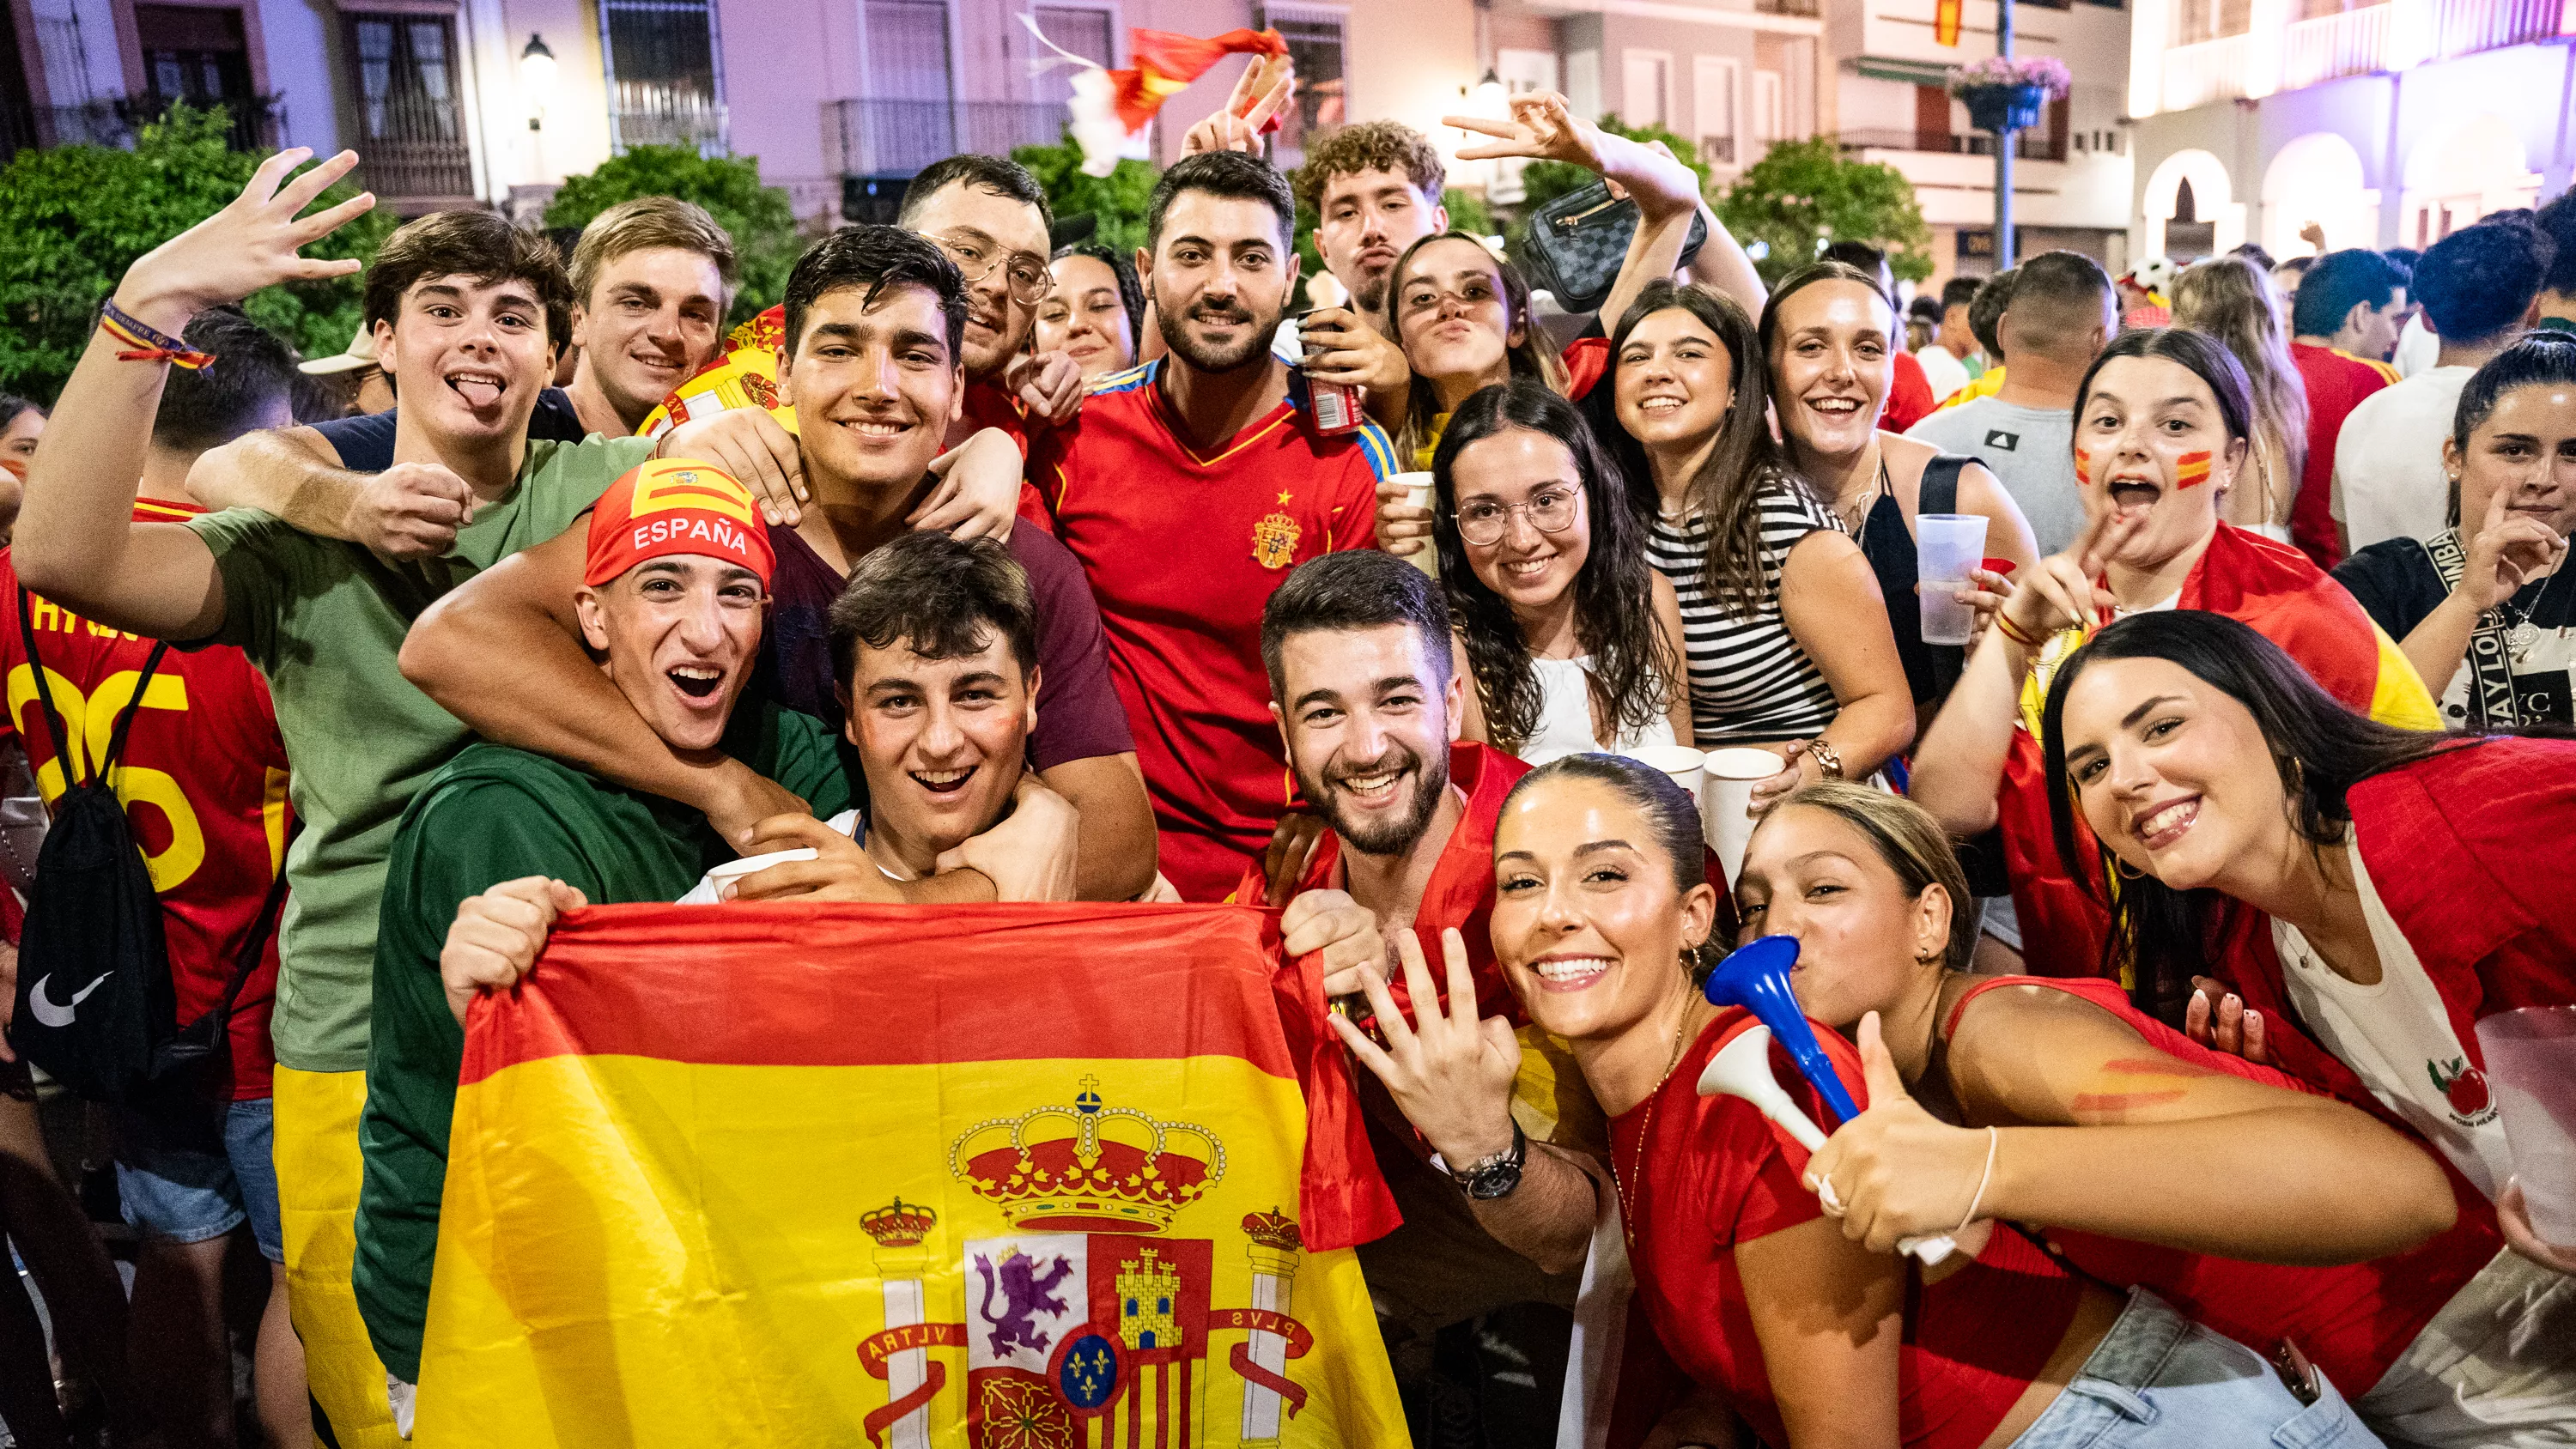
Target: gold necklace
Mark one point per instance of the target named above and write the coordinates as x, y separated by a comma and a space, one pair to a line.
1645, 1129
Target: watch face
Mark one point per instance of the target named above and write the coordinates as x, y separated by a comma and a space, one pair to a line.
1493, 1182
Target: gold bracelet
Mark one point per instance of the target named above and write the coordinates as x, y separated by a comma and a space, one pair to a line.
1828, 759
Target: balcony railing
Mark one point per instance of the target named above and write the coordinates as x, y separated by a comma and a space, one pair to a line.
2384, 37
898, 138
252, 131
2030, 145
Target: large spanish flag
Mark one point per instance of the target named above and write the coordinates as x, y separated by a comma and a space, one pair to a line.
1008, 1177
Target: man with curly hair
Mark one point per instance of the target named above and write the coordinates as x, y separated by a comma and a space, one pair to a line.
1374, 189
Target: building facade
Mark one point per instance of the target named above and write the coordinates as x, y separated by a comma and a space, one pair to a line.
2386, 124
494, 102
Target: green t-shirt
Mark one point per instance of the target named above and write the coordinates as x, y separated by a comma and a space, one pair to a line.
496, 814
324, 621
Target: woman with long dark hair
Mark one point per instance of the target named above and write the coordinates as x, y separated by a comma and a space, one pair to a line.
1462, 316
2387, 889
1094, 311
1573, 642
1829, 338
2269, 1213
1783, 627
2163, 425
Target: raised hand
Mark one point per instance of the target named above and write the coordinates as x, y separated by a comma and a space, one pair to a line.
1897, 1170
1402, 528
253, 242
1261, 92
409, 511
1543, 127
2060, 592
1340, 347
1343, 929
1985, 597
753, 447
496, 937
1793, 773
1293, 842
1448, 1071
1048, 384
2509, 551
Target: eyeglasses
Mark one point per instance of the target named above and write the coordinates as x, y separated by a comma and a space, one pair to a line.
1027, 275
1553, 511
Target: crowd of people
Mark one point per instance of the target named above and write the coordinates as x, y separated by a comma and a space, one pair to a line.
2150, 929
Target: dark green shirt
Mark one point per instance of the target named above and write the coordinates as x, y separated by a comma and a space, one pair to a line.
495, 814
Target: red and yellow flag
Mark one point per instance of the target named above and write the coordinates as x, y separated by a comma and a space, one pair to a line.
1007, 1177
1945, 22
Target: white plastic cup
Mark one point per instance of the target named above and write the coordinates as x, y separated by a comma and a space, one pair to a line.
1726, 800
2531, 1065
1947, 548
1421, 491
1679, 761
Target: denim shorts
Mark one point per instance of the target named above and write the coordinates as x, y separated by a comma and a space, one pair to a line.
195, 1172
2160, 1381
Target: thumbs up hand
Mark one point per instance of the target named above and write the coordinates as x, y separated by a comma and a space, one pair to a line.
1898, 1171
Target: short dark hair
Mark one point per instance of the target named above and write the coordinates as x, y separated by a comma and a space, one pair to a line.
476, 244
2477, 283
2253, 252
1986, 310
2557, 221
2338, 282
1357, 589
1867, 260
996, 174
864, 254
2205, 356
1229, 174
1960, 291
209, 407
2056, 298
941, 596
11, 405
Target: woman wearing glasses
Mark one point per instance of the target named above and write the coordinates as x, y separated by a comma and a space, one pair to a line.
1572, 639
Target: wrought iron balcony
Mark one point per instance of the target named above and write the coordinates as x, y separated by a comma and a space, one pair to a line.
898, 138
2390, 36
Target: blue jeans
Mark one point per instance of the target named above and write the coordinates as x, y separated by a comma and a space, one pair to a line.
2160, 1381
196, 1171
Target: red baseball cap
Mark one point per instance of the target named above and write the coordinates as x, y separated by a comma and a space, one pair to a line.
676, 506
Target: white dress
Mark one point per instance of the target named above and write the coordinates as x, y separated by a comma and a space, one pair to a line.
1565, 716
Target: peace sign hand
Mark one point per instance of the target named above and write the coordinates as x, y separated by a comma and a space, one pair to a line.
1261, 92
1542, 128
252, 243
1898, 1171
2060, 593
1449, 1072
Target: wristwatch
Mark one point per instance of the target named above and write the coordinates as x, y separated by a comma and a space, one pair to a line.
1495, 1176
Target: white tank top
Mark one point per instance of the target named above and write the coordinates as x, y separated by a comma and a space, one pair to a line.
1565, 716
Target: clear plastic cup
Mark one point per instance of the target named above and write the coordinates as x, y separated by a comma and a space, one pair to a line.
1947, 548
2531, 1065
1421, 491
1726, 800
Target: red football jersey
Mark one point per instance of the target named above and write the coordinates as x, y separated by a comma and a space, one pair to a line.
203, 781
2336, 382
1182, 551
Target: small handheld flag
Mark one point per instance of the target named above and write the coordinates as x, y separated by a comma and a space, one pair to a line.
1110, 108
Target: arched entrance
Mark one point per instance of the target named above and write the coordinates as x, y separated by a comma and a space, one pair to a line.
2318, 178
2461, 173
2215, 220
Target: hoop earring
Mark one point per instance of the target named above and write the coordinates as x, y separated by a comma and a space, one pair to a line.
2124, 871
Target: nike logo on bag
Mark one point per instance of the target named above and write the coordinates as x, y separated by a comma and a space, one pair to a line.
49, 1014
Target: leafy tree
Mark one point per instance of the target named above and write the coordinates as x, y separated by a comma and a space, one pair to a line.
765, 238
77, 216
1118, 200
1805, 194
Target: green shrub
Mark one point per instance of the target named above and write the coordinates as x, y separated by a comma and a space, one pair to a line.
765, 238
1805, 194
1117, 200
77, 216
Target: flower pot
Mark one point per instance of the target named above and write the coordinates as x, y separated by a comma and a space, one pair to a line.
2004, 108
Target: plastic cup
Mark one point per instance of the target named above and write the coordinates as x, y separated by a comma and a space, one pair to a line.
1420, 491
1947, 548
2531, 1065
1679, 761
1726, 800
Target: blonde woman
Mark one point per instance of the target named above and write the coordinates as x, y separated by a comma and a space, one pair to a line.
2234, 300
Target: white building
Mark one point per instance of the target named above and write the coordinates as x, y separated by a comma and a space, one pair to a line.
2387, 124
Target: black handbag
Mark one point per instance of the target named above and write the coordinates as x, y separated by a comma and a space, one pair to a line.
1575, 244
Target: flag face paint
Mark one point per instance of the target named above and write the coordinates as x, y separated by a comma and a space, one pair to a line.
2083, 469
2191, 470
1007, 1177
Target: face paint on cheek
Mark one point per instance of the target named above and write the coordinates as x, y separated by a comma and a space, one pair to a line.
2191, 470
2083, 470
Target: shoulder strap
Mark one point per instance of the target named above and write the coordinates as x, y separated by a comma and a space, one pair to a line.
44, 686
254, 946
125, 717
1940, 490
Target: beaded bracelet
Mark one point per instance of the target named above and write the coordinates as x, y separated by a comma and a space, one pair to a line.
147, 344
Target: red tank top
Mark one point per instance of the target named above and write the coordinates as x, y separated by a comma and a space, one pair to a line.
2352, 1321
1699, 1175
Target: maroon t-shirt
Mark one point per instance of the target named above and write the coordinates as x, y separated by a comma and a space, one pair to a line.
1079, 717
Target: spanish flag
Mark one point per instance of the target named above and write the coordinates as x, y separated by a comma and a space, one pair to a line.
2270, 587
1004, 1177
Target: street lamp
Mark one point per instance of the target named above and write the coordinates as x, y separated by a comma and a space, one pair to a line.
536, 79
1487, 98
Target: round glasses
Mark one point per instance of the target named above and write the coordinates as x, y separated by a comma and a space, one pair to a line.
1026, 272
1553, 510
